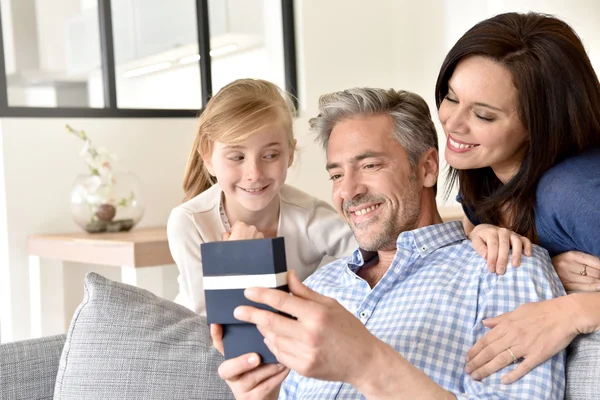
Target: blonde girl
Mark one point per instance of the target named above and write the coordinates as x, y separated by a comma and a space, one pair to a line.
235, 188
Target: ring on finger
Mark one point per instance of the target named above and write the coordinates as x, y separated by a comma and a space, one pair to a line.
514, 358
583, 271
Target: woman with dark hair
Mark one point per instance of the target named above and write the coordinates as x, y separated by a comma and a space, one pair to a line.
519, 102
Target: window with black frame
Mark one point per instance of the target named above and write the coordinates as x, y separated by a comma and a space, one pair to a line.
137, 58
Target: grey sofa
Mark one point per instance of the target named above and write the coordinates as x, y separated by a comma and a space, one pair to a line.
28, 368
126, 343
123, 343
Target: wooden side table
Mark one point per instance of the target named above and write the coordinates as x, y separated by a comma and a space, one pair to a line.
451, 213
132, 251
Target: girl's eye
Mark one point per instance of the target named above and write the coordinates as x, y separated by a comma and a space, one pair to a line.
271, 156
236, 158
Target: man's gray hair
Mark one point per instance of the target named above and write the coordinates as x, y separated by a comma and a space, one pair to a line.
413, 127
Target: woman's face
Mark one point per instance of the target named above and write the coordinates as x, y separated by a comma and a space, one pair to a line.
480, 119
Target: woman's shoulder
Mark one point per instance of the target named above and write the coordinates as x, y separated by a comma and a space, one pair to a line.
577, 172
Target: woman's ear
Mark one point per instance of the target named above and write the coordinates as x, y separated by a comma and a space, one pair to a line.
429, 167
292, 154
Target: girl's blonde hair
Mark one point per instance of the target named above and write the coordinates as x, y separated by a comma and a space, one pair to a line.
232, 115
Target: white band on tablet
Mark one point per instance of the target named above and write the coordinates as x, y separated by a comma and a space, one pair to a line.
244, 281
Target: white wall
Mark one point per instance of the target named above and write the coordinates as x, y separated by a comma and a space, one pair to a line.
340, 44
41, 162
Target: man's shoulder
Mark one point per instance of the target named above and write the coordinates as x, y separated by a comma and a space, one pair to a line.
536, 270
328, 274
463, 253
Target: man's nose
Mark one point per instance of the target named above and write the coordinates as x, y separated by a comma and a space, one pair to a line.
352, 186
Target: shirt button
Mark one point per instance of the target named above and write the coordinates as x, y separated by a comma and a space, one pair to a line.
423, 248
364, 314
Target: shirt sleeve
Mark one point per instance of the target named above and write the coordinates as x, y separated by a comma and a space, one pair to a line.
329, 233
567, 216
289, 386
534, 281
184, 243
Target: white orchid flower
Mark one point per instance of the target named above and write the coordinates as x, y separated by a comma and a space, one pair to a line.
92, 183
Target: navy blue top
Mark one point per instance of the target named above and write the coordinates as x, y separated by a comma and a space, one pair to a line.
567, 212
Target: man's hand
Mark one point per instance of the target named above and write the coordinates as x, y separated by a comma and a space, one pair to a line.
246, 378
325, 342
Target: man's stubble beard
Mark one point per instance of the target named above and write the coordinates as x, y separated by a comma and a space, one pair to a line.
394, 225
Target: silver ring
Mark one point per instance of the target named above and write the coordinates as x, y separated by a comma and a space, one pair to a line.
512, 355
583, 271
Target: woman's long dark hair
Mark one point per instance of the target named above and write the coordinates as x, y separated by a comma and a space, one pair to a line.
558, 103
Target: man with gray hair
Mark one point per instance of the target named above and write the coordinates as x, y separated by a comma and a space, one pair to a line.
395, 319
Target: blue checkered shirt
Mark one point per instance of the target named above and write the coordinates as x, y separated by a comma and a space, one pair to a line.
429, 306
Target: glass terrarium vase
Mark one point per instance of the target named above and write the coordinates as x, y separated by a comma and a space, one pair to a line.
107, 203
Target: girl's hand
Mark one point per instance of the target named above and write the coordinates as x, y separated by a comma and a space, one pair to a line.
494, 244
578, 271
533, 332
241, 231
216, 334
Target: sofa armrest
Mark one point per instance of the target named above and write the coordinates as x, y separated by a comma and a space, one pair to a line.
583, 367
28, 368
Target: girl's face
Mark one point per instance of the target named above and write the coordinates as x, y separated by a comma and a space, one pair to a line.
480, 119
252, 172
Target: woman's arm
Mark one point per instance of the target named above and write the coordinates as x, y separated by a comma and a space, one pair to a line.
534, 332
587, 311
467, 225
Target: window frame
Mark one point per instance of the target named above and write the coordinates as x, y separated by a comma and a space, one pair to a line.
111, 110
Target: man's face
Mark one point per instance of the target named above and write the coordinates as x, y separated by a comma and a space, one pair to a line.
374, 186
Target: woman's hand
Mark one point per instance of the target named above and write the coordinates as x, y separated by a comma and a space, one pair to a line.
533, 332
578, 271
494, 243
242, 231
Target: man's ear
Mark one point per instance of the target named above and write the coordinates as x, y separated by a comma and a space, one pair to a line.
429, 165
292, 154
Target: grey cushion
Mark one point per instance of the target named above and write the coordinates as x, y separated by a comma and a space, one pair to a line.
126, 343
583, 368
28, 368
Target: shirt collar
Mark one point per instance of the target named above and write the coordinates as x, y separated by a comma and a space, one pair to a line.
433, 237
425, 240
